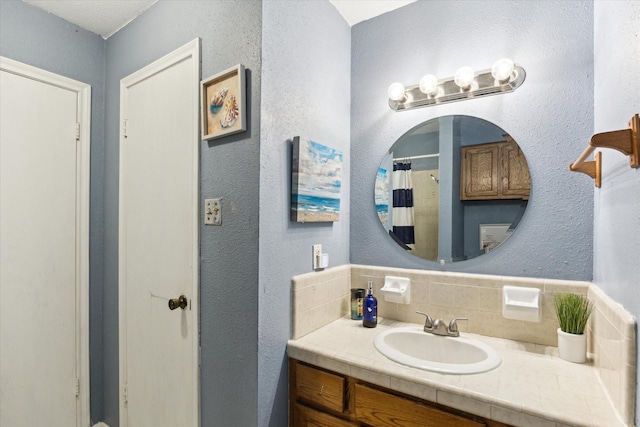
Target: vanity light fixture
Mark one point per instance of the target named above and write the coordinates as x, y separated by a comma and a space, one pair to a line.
502, 70
396, 92
504, 76
429, 85
464, 78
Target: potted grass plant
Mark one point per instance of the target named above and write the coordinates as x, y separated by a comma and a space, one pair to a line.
573, 313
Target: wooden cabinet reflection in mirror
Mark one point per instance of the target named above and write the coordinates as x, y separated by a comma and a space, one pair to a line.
494, 171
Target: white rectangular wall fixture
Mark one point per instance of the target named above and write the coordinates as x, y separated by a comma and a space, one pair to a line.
521, 303
396, 289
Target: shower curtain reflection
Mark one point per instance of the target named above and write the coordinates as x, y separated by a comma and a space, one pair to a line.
403, 221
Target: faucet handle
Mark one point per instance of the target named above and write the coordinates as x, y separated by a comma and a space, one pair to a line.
428, 321
453, 326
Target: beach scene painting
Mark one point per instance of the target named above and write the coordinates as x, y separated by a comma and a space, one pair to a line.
316, 182
382, 195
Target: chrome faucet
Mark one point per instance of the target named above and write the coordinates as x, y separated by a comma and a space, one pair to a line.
439, 327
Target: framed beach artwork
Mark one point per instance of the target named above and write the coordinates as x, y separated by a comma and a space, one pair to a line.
223, 103
316, 182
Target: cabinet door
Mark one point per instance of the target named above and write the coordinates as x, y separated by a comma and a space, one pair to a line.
479, 180
307, 417
515, 179
379, 409
320, 387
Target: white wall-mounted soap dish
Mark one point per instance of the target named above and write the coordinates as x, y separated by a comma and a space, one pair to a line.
396, 289
520, 303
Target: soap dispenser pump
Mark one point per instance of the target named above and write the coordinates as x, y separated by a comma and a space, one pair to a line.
370, 315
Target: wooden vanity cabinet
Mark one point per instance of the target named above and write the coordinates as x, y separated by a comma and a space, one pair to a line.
494, 171
324, 389
305, 416
377, 408
317, 397
320, 398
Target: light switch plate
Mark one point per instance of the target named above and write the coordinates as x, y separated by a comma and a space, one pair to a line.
317, 255
213, 211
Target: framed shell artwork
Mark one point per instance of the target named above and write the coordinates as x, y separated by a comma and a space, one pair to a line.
223, 103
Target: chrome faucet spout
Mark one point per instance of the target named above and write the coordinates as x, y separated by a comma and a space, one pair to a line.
453, 327
428, 321
439, 327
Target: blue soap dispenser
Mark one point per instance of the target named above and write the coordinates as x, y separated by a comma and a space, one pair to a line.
370, 312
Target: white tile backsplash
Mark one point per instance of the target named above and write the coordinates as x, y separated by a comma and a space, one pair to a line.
319, 298
612, 341
446, 295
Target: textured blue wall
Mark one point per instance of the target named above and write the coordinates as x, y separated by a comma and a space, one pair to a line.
34, 37
616, 266
229, 168
550, 116
306, 85
305, 92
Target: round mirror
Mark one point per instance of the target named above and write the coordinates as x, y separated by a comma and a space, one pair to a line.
452, 188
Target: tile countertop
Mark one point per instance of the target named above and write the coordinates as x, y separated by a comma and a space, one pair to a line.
531, 387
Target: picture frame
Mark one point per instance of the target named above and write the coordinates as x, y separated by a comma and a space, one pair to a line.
222, 99
316, 182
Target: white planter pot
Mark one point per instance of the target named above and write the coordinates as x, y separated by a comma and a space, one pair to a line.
572, 347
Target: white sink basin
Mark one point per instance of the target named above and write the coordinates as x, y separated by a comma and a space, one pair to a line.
413, 347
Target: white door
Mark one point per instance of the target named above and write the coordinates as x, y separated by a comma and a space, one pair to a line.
159, 146
44, 205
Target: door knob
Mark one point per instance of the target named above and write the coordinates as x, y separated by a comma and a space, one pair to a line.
178, 302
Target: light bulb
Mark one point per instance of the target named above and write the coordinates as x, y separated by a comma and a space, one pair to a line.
464, 77
396, 91
429, 84
502, 69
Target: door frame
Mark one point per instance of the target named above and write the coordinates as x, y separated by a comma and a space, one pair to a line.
83, 162
189, 50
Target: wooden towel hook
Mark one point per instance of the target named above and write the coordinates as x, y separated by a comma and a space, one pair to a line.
627, 141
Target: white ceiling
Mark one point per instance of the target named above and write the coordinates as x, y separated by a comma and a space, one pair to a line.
106, 17
355, 11
103, 17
